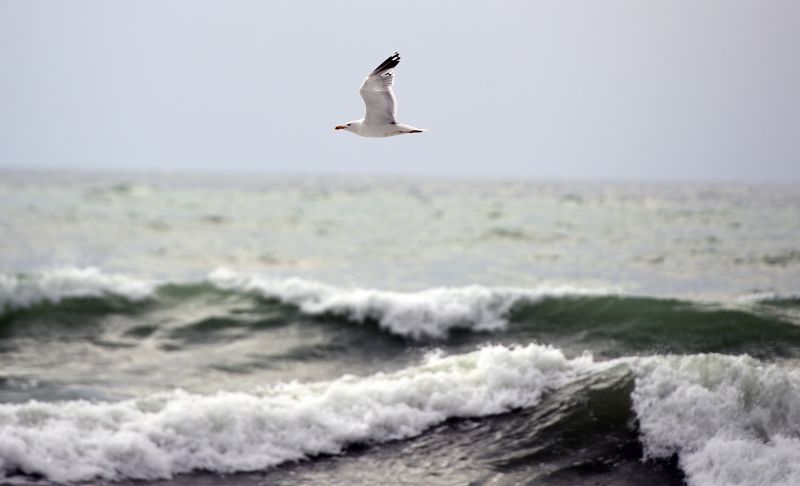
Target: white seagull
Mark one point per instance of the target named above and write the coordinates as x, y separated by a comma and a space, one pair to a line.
381, 104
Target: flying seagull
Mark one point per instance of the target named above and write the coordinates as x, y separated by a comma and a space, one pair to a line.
381, 104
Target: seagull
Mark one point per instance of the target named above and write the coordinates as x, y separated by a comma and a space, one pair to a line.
376, 90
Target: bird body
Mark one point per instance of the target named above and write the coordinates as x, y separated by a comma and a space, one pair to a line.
381, 105
361, 127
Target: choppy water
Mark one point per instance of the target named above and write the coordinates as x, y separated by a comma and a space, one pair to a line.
189, 329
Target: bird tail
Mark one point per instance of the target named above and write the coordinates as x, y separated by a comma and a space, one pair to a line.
388, 64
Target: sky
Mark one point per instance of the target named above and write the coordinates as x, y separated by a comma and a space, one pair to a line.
687, 90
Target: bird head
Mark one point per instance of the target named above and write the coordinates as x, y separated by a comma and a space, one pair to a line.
345, 126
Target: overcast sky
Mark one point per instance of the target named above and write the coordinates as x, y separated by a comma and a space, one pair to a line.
642, 90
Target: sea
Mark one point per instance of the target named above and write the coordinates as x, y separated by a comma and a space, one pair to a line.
257, 329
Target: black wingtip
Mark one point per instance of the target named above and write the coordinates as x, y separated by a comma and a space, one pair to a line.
389, 63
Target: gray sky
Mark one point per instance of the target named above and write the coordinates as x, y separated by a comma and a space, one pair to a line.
656, 90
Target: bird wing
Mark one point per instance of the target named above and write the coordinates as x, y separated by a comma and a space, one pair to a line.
376, 90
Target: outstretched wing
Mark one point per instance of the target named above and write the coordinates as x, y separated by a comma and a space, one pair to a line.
376, 90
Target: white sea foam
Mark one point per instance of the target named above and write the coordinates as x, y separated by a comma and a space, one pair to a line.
164, 434
25, 290
430, 313
731, 420
762, 297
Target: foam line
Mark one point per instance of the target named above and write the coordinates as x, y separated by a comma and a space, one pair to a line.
430, 313
169, 433
731, 420
19, 291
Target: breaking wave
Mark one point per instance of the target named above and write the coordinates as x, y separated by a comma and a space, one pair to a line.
731, 420
169, 433
20, 291
576, 317
430, 313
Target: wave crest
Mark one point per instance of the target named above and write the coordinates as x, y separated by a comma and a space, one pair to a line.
170, 433
731, 420
430, 313
20, 291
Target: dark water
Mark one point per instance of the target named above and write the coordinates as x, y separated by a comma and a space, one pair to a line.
584, 427
280, 340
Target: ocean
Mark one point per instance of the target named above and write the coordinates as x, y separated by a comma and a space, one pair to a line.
182, 329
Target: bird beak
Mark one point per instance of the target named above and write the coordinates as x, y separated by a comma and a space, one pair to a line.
339, 127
